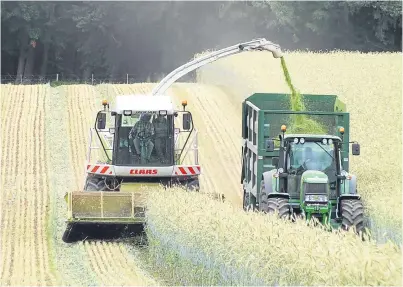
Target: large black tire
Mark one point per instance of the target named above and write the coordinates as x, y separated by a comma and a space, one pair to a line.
274, 204
95, 184
352, 213
193, 185
246, 198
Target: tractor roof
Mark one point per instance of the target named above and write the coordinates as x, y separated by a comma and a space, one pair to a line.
143, 103
308, 136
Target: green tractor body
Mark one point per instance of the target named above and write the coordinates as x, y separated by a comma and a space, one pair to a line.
302, 171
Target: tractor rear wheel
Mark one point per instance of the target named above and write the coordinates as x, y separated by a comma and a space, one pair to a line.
352, 213
274, 204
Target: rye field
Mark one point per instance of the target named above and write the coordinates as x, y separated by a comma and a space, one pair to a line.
44, 136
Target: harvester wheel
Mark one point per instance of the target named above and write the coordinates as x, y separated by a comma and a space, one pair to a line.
95, 184
352, 213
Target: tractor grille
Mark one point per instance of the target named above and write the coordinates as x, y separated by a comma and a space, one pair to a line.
315, 188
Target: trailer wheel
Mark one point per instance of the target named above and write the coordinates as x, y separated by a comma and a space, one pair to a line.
248, 198
352, 213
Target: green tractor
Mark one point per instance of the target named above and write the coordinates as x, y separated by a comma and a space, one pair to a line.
300, 173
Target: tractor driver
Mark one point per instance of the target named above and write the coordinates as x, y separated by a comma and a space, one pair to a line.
143, 130
310, 161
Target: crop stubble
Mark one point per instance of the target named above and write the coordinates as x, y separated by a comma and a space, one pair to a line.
25, 254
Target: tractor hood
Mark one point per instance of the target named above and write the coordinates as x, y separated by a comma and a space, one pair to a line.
314, 183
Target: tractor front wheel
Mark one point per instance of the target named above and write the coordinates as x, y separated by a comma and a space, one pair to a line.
352, 213
279, 205
274, 204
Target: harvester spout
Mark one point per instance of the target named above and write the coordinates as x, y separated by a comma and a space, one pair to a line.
275, 49
260, 44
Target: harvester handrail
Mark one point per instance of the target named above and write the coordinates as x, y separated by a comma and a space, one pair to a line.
260, 44
192, 146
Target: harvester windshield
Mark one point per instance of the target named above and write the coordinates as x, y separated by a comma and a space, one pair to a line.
145, 135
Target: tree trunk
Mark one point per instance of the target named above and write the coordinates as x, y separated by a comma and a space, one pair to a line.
44, 65
113, 72
21, 64
86, 76
29, 65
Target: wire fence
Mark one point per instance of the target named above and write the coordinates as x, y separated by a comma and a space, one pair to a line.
93, 79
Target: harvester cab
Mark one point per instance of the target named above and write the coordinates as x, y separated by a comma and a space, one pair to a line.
301, 174
149, 144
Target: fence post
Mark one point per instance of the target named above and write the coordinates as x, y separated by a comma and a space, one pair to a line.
127, 78
21, 79
92, 79
57, 77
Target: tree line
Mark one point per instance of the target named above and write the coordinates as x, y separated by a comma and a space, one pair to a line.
114, 38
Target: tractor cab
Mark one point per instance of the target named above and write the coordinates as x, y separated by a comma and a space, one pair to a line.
310, 167
310, 173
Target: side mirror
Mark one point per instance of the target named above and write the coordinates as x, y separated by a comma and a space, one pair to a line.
101, 121
356, 149
275, 161
187, 117
269, 145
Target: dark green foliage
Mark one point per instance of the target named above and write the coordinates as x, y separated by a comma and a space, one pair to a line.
111, 39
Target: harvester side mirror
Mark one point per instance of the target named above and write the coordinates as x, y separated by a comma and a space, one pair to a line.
186, 121
101, 121
269, 145
356, 149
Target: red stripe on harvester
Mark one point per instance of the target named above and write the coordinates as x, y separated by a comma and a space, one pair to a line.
95, 168
191, 170
110, 172
88, 166
104, 169
183, 171
198, 168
